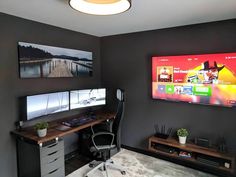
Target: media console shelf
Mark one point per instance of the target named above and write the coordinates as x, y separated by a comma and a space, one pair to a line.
192, 153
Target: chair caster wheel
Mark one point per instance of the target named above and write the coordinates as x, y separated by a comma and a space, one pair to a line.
102, 169
123, 172
91, 166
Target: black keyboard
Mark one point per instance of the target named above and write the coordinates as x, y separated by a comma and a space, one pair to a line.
77, 121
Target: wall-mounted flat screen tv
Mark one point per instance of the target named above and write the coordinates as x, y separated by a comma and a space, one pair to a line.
87, 98
44, 104
203, 79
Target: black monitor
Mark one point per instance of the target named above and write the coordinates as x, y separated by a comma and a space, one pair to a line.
44, 104
87, 98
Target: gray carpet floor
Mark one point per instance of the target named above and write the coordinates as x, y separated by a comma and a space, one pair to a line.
139, 165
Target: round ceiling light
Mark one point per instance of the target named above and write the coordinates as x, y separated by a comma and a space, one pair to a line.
100, 7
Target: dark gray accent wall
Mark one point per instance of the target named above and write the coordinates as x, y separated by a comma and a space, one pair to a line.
126, 63
13, 30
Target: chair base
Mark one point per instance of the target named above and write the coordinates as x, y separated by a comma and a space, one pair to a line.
104, 166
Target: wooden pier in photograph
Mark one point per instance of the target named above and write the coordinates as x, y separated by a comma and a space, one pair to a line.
60, 70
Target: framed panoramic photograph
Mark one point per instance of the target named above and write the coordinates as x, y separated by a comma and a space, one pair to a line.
41, 61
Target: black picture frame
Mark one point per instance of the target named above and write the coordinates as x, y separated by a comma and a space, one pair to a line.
42, 61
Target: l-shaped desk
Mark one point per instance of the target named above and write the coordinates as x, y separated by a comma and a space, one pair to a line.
44, 157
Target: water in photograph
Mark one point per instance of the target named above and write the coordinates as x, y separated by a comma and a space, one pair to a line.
55, 67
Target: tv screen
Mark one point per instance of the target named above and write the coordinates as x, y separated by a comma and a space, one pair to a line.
203, 79
87, 98
44, 104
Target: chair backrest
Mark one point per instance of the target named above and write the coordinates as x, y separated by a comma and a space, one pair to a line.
116, 127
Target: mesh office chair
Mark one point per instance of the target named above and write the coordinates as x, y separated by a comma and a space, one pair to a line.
104, 142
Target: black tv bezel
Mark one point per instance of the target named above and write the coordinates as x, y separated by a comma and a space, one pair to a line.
88, 106
180, 101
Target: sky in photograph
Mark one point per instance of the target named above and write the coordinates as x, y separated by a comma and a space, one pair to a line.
60, 51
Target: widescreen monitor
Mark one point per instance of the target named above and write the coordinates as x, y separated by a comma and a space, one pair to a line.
44, 104
87, 98
208, 79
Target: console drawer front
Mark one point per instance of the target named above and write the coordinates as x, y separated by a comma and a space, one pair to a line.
59, 172
51, 157
51, 149
49, 168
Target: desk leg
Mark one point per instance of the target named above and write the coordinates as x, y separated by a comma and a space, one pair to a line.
84, 142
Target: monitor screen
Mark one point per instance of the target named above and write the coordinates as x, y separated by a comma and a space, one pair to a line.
44, 104
87, 98
203, 79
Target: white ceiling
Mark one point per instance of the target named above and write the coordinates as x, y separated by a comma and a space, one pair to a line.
143, 15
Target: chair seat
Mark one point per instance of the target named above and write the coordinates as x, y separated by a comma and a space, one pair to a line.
101, 148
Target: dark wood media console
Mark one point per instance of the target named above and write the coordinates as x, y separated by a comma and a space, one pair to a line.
208, 157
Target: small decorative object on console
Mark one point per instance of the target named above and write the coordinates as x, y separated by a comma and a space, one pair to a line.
185, 154
202, 142
227, 165
182, 134
222, 144
41, 128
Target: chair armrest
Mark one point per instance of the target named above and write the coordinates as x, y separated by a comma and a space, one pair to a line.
107, 123
102, 134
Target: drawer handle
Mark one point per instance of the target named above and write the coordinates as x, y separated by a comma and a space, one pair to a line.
54, 160
52, 145
52, 153
53, 171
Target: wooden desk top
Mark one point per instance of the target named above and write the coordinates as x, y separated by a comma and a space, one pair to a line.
30, 133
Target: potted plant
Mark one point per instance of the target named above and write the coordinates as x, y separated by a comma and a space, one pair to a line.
41, 128
182, 134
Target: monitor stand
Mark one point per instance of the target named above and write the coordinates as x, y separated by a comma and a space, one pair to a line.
90, 113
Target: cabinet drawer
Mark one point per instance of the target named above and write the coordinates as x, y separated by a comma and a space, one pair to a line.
51, 157
52, 148
48, 168
59, 172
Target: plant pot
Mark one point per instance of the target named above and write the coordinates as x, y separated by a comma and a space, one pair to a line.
42, 132
182, 139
